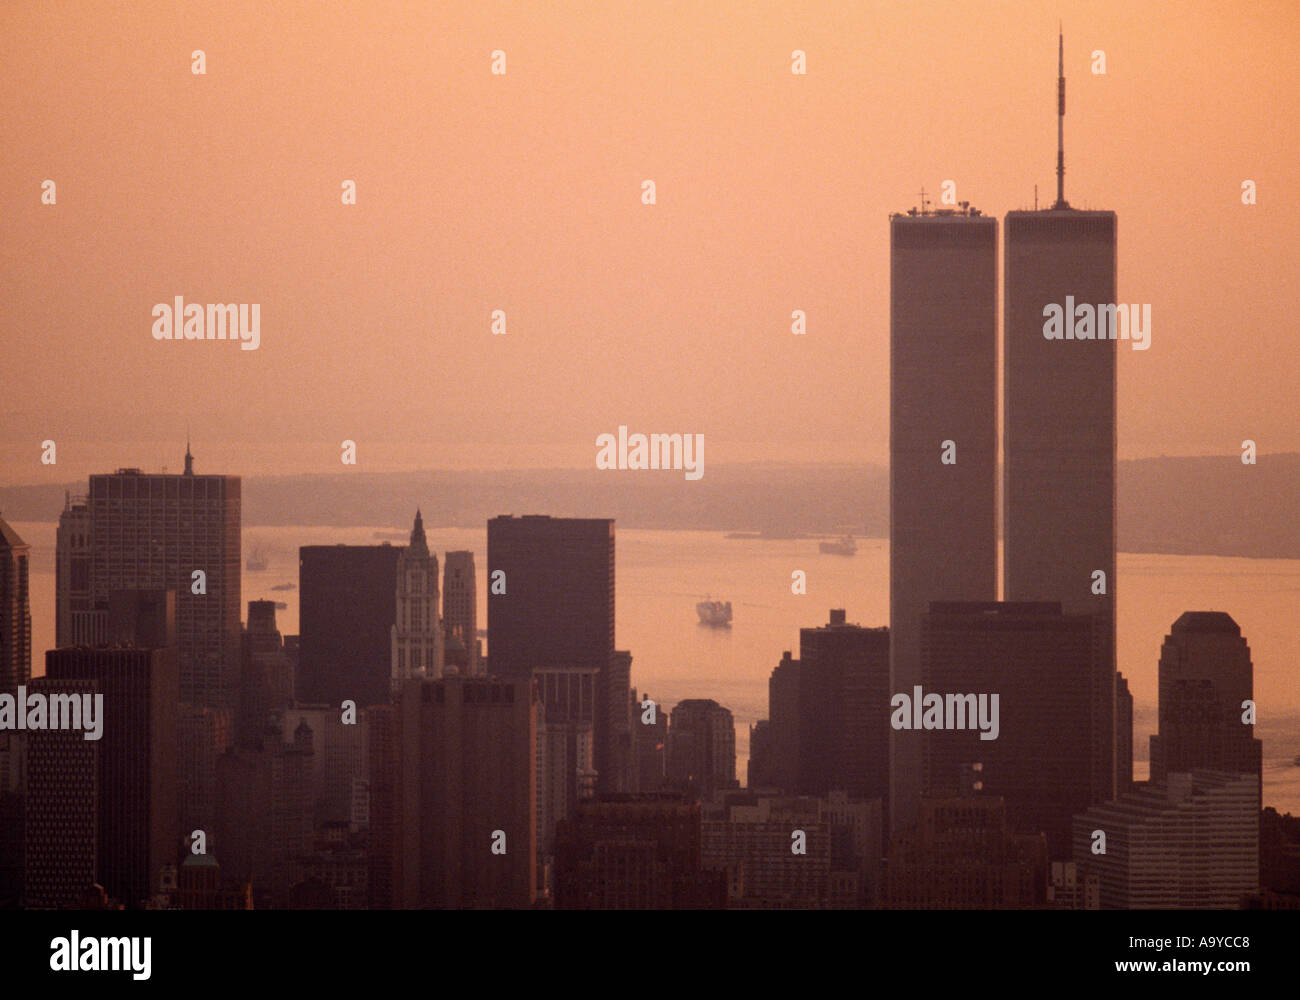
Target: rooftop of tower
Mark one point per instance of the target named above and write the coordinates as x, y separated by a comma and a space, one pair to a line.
964, 210
9, 537
1206, 621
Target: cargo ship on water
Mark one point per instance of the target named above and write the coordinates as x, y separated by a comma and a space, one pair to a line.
846, 546
715, 613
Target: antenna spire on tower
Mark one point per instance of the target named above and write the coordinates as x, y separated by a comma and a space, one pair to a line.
1060, 121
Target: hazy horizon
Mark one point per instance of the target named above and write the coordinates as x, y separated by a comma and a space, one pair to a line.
773, 194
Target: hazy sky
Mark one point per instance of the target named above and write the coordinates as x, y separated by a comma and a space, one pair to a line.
522, 192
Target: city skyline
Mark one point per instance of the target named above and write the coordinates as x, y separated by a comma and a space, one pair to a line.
557, 250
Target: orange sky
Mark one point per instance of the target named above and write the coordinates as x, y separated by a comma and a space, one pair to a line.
522, 192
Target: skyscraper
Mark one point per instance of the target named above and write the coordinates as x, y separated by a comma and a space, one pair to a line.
417, 633
460, 604
137, 807
844, 709
1206, 678
62, 807
1059, 407
347, 610
551, 604
167, 532
266, 675
701, 746
75, 621
468, 765
783, 709
15, 610
1123, 736
566, 769
1053, 751
942, 439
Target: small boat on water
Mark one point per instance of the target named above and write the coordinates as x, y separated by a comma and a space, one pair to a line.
284, 586
280, 605
256, 561
716, 613
846, 546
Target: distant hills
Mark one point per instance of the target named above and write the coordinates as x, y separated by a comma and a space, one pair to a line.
1186, 506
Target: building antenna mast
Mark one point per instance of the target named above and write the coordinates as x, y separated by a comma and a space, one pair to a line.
1060, 122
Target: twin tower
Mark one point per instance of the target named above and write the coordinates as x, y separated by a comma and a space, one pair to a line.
1057, 509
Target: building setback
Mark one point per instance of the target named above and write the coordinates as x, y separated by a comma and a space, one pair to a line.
942, 439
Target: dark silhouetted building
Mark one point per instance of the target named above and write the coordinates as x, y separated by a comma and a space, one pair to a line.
566, 768
155, 532
551, 604
469, 795
1206, 677
62, 807
942, 438
387, 874
138, 809
650, 736
701, 747
1054, 752
75, 620
634, 852
13, 822
1123, 736
962, 854
760, 772
266, 675
783, 712
844, 713
785, 852
264, 815
460, 607
348, 608
15, 610
204, 734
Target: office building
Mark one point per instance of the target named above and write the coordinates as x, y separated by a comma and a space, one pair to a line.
1050, 747
15, 609
469, 798
942, 438
844, 692
347, 610
1206, 680
1187, 842
137, 806
701, 747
